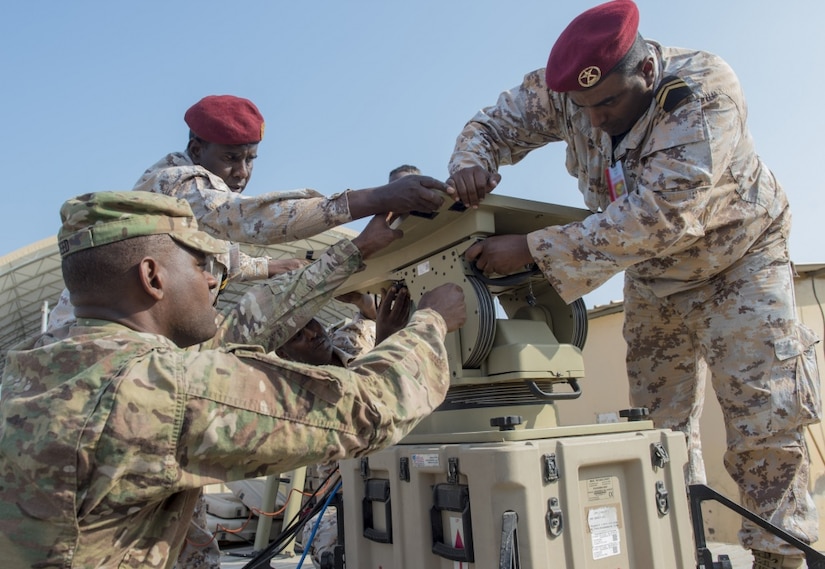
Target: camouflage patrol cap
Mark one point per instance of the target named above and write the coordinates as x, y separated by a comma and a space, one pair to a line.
99, 218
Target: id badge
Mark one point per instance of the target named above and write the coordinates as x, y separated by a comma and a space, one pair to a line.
616, 184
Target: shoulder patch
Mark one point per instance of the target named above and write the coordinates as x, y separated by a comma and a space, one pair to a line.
671, 92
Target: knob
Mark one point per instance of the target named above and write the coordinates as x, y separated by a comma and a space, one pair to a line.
634, 413
507, 422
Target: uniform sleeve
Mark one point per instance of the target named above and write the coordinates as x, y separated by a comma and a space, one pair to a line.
246, 414
274, 217
355, 337
523, 119
271, 313
664, 213
252, 268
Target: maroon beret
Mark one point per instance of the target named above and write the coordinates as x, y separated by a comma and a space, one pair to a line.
224, 119
591, 46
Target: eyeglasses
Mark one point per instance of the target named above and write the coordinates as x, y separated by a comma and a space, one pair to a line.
219, 273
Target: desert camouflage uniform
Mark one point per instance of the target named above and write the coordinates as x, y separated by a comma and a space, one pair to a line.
144, 425
326, 536
266, 219
355, 337
702, 238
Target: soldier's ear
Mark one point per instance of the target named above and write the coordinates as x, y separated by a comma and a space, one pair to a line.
195, 149
151, 280
648, 70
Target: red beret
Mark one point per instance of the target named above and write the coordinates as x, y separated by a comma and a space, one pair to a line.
224, 119
591, 46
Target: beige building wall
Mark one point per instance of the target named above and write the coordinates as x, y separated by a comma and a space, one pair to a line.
604, 393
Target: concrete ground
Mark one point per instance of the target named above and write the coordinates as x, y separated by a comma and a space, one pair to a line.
740, 558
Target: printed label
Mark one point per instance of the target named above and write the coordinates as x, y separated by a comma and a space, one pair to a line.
429, 460
600, 489
603, 523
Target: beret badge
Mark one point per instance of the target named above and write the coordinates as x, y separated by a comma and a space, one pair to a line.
589, 76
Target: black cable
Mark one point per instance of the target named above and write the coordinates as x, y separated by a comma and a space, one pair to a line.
508, 280
314, 506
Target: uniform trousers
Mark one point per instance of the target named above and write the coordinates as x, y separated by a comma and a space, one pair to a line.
741, 330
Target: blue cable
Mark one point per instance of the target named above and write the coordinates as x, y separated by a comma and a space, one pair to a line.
317, 523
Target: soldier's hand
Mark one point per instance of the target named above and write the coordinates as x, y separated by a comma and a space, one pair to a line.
500, 254
447, 300
364, 302
393, 312
470, 185
376, 235
406, 194
281, 266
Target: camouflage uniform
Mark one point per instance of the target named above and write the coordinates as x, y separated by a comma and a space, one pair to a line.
355, 337
266, 219
326, 536
259, 318
272, 312
108, 434
255, 320
143, 425
702, 237
228, 215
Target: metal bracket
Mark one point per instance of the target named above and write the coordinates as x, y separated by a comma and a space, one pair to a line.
452, 471
658, 455
508, 556
662, 501
365, 467
551, 468
698, 493
404, 469
554, 517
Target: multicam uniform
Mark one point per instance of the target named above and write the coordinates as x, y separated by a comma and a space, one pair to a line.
257, 320
147, 424
702, 237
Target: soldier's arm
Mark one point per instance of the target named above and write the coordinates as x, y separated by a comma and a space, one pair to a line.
287, 302
273, 217
271, 313
284, 414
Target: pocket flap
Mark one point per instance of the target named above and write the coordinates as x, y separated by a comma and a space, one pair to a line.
792, 346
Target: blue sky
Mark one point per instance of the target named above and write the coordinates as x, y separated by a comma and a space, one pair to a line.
94, 92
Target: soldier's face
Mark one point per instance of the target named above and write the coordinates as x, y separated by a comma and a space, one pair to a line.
231, 162
310, 345
190, 289
617, 102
